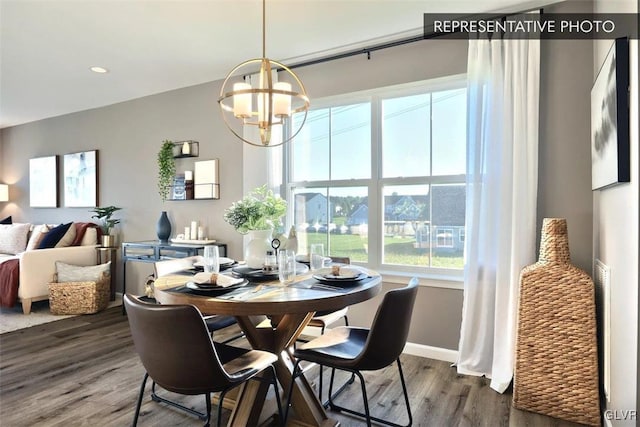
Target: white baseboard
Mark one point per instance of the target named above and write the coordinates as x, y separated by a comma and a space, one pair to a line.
427, 351
420, 350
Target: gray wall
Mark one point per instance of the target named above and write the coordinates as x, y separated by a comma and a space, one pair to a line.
616, 237
129, 134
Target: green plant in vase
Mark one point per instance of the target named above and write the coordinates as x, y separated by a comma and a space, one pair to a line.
166, 169
257, 214
260, 210
104, 215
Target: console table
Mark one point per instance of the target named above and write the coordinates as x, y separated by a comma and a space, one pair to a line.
151, 251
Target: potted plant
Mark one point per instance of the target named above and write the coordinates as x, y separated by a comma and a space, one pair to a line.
104, 214
166, 169
258, 214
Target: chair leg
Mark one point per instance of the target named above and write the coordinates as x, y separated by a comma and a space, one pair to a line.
296, 372
341, 389
367, 415
274, 381
208, 402
223, 393
406, 395
139, 403
156, 398
320, 366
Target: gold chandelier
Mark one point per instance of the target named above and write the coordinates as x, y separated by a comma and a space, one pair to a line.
273, 102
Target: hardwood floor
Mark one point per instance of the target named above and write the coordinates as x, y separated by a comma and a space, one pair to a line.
84, 371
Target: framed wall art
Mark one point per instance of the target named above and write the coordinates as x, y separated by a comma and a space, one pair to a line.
43, 182
610, 163
81, 179
206, 182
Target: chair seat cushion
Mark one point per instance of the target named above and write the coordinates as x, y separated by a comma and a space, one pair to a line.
325, 318
215, 323
241, 363
338, 347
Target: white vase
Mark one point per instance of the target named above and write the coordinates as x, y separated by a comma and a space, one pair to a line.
256, 250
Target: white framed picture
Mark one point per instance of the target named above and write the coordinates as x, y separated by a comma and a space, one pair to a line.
81, 179
43, 182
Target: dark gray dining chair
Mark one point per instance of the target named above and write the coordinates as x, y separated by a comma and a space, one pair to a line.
177, 352
355, 349
215, 322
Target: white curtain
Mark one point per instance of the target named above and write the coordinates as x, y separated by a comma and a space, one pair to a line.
502, 177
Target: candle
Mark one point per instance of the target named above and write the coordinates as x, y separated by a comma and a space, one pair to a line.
242, 102
194, 230
187, 233
200, 233
188, 175
282, 103
186, 148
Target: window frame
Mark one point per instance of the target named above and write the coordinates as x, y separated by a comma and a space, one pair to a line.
376, 183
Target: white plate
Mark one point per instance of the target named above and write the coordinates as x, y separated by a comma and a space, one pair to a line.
216, 289
346, 273
223, 261
223, 280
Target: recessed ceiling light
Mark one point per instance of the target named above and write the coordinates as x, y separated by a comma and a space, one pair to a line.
99, 70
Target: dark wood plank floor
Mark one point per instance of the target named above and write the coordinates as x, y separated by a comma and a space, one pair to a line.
84, 371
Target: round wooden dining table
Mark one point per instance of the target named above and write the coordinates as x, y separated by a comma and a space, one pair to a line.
288, 309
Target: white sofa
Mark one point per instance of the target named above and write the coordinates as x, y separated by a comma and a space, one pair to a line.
38, 266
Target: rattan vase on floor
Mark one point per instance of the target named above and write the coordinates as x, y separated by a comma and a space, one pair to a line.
556, 368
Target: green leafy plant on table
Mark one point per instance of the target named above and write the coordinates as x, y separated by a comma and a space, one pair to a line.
104, 214
259, 210
166, 169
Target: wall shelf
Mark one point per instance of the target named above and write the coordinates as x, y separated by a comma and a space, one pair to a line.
188, 148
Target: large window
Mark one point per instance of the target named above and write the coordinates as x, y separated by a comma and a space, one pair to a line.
380, 176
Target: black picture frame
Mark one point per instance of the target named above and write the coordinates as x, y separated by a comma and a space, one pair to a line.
610, 157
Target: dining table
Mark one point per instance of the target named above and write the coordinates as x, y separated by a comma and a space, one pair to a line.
272, 316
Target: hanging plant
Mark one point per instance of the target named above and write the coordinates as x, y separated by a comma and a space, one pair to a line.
166, 169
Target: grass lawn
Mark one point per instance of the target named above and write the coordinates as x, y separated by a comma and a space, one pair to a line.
396, 250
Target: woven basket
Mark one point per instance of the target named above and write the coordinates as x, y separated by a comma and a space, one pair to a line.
79, 297
556, 367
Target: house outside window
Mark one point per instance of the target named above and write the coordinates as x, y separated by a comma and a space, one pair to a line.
379, 177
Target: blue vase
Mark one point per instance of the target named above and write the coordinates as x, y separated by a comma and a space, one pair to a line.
163, 228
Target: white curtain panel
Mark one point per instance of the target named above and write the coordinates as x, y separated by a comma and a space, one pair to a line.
502, 176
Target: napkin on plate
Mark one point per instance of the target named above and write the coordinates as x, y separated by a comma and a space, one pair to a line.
221, 280
339, 272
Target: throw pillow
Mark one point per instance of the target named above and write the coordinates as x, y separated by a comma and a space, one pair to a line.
7, 220
67, 238
82, 228
78, 273
13, 238
51, 239
36, 236
90, 237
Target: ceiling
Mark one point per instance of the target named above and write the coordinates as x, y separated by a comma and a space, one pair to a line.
152, 46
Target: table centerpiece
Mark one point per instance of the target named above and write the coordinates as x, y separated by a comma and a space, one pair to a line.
257, 214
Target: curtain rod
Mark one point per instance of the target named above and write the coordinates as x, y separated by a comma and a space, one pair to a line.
400, 42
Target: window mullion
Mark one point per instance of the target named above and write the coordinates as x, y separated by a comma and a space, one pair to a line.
376, 215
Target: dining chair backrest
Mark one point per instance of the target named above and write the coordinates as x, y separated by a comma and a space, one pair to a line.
341, 259
175, 347
390, 328
165, 267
